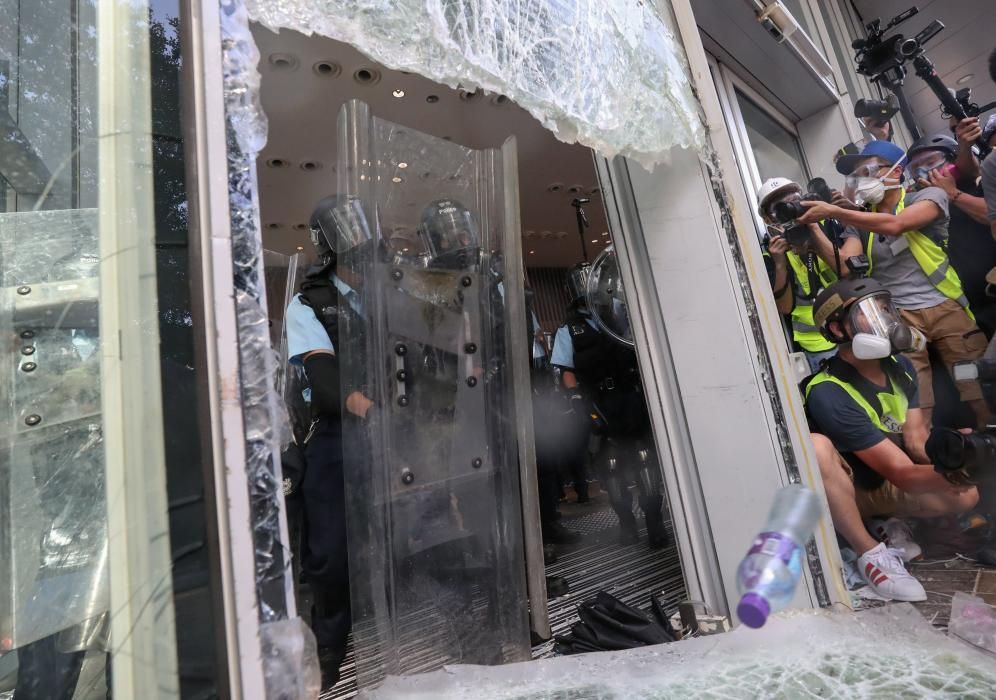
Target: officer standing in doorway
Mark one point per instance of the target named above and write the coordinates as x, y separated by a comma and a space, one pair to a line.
603, 379
313, 319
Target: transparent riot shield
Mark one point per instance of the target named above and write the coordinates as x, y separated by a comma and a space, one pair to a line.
434, 524
607, 298
53, 533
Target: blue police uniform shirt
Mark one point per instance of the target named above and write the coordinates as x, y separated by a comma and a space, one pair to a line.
841, 419
563, 345
305, 333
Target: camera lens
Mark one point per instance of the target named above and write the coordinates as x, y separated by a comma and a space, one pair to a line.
785, 212
951, 450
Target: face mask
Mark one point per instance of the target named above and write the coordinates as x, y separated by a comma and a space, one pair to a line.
881, 333
871, 190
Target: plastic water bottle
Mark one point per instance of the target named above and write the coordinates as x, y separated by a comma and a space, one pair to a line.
768, 575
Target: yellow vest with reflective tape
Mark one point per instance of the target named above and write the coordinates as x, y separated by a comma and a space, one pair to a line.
931, 258
804, 329
891, 415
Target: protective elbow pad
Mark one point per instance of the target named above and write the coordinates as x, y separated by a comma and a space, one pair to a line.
323, 376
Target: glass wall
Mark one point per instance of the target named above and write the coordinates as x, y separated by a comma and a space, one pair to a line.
776, 150
102, 522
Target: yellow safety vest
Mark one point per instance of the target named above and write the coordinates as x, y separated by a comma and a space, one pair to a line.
890, 415
804, 329
931, 258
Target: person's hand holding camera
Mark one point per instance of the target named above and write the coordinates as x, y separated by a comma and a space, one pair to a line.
839, 200
777, 247
968, 131
817, 211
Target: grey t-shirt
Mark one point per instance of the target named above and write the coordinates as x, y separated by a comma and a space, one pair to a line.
893, 264
989, 184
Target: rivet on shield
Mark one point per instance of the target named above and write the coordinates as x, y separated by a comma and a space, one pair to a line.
29, 367
466, 281
407, 477
401, 349
471, 381
28, 350
401, 375
27, 335
402, 401
477, 463
396, 275
470, 348
24, 290
33, 419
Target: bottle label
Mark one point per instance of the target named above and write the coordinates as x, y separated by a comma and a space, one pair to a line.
774, 544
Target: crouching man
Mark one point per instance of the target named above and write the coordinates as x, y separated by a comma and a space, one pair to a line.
870, 433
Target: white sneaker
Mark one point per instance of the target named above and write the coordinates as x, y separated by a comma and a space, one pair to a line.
897, 535
883, 569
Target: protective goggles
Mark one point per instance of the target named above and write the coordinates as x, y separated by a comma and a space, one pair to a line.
874, 314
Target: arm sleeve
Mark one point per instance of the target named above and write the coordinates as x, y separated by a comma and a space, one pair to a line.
563, 349
323, 376
841, 419
305, 332
989, 185
938, 197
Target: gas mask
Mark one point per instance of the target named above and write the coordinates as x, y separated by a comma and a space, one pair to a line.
864, 187
876, 332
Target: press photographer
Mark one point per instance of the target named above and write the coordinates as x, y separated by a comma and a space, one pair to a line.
801, 261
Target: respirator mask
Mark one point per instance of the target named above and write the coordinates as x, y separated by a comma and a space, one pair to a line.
872, 323
863, 186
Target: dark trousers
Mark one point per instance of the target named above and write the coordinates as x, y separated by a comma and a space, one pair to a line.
324, 558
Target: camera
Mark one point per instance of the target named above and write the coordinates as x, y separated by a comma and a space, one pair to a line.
879, 111
965, 458
787, 212
858, 265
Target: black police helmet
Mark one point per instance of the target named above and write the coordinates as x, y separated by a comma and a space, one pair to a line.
324, 226
446, 226
833, 303
935, 142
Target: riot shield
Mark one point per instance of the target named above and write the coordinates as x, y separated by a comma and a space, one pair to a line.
435, 537
53, 564
607, 298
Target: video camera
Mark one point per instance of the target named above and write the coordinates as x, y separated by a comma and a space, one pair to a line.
883, 59
879, 111
966, 458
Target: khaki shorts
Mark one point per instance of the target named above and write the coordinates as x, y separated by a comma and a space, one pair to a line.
955, 336
888, 499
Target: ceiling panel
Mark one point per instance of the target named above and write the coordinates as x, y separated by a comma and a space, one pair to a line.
301, 103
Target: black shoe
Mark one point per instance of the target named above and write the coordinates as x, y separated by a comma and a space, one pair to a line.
555, 533
557, 586
329, 659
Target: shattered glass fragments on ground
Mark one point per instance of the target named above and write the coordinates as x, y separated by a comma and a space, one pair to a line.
890, 652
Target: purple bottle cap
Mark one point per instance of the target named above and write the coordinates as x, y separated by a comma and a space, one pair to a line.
753, 610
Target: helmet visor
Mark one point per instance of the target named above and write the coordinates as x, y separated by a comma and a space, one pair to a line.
450, 229
344, 226
577, 282
874, 314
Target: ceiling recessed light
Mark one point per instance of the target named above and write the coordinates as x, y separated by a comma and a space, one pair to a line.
594, 240
273, 225
965, 78
311, 165
395, 179
555, 187
398, 93
327, 69
366, 76
402, 165
605, 233
532, 252
300, 227
432, 99
283, 61
277, 163
300, 247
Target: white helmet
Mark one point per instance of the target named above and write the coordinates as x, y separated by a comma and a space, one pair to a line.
771, 187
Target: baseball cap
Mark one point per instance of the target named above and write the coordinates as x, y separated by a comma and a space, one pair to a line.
886, 150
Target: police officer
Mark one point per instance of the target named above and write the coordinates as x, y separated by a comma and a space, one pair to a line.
604, 379
796, 270
313, 319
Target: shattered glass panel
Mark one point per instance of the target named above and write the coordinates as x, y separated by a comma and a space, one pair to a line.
609, 75
890, 652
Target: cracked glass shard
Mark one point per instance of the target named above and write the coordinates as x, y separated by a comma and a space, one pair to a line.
609, 75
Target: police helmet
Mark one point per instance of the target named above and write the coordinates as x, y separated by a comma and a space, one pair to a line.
338, 225
833, 303
447, 227
577, 282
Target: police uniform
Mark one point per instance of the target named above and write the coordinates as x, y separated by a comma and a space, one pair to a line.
609, 377
312, 326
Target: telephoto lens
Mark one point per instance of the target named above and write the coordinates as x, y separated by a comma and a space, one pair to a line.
961, 457
787, 212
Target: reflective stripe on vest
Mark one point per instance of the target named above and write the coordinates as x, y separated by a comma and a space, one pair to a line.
804, 329
894, 405
932, 260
